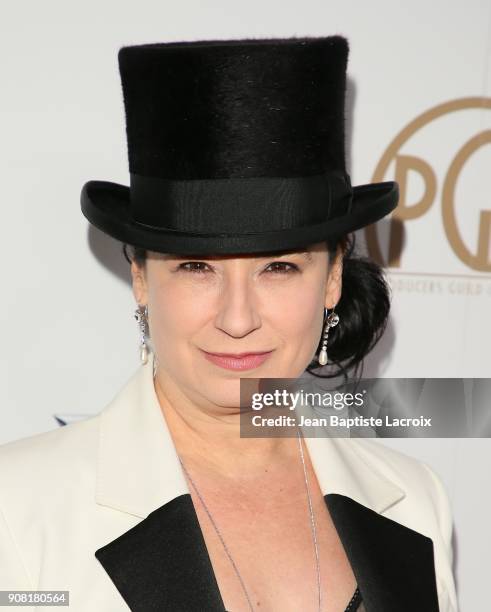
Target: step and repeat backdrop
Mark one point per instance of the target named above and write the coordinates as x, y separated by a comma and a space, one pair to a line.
418, 110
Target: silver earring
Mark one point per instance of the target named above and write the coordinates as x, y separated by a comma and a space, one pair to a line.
331, 320
141, 315
154, 365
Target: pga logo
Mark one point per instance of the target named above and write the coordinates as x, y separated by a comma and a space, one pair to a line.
443, 147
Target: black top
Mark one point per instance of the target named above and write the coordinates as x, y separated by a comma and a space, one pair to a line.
355, 603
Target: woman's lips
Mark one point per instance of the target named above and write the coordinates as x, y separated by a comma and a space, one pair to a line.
244, 361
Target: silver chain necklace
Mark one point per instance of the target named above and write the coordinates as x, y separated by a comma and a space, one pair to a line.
312, 524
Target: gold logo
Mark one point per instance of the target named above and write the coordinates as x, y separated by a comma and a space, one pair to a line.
477, 258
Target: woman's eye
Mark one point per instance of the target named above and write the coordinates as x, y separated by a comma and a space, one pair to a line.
282, 267
197, 267
201, 267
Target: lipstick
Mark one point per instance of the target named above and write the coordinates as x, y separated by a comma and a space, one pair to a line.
240, 361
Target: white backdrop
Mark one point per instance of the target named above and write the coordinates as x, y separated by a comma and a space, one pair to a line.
418, 109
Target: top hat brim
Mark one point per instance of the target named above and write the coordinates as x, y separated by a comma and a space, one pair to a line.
107, 206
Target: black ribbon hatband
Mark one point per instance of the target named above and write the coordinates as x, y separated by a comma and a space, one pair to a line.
238, 204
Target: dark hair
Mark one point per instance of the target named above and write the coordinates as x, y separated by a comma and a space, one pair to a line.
363, 309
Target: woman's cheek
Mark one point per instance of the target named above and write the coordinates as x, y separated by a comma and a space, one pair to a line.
173, 318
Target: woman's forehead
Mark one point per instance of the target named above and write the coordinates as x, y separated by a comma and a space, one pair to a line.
304, 252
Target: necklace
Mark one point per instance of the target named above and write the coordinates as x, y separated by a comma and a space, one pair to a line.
312, 525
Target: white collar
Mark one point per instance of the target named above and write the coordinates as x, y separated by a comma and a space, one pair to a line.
138, 468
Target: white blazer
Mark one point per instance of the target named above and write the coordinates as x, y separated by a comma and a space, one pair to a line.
101, 508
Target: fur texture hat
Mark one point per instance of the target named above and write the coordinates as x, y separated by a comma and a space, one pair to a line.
235, 146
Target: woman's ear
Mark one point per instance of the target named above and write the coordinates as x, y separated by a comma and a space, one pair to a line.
334, 283
139, 281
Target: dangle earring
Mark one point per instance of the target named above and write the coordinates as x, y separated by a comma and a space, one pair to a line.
330, 320
141, 315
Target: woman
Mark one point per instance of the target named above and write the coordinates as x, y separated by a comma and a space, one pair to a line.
237, 224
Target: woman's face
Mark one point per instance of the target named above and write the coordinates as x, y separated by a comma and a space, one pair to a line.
235, 304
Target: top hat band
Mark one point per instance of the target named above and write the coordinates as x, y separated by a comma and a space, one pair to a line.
239, 204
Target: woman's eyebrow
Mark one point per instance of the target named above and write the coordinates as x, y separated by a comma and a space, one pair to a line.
306, 254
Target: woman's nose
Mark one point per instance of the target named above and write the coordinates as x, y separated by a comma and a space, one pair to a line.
237, 308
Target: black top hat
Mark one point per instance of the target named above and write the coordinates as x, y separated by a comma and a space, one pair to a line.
235, 146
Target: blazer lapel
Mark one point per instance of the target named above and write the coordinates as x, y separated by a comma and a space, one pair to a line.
162, 563
393, 565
